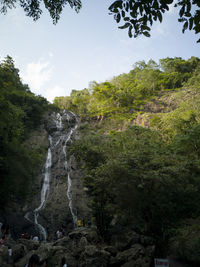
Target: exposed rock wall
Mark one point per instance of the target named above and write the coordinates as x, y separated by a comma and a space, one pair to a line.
55, 212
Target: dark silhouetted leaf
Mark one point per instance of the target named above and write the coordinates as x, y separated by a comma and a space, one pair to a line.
147, 34
116, 4
130, 32
126, 18
191, 20
182, 10
118, 18
159, 16
126, 25
185, 26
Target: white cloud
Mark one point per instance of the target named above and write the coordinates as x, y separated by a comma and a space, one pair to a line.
51, 93
51, 54
36, 75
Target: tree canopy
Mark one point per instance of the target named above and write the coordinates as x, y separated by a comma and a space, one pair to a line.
32, 8
20, 113
139, 151
138, 16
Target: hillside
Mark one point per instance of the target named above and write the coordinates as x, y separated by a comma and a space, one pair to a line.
136, 155
139, 149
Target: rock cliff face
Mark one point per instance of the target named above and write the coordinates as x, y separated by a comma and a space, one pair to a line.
57, 198
64, 200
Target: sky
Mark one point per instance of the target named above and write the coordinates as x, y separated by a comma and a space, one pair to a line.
81, 48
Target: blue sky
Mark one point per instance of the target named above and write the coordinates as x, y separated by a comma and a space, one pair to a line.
84, 47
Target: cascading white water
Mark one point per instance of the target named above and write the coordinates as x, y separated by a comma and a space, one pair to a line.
44, 191
59, 121
58, 140
44, 194
69, 181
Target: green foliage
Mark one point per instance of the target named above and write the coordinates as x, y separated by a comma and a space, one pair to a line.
136, 177
186, 242
146, 178
20, 112
139, 16
32, 8
122, 97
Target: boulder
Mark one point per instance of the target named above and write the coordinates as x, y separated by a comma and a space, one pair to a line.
94, 257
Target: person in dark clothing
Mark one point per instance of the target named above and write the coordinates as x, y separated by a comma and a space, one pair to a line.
34, 261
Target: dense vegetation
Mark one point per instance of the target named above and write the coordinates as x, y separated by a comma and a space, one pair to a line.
139, 148
144, 177
20, 114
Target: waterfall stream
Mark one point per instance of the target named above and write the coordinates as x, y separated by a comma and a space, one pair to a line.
69, 181
60, 139
44, 191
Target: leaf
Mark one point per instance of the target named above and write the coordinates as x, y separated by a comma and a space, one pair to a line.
188, 6
133, 14
159, 16
127, 6
185, 26
130, 32
116, 4
126, 18
144, 27
191, 20
126, 25
141, 9
168, 2
147, 34
118, 18
155, 4
182, 10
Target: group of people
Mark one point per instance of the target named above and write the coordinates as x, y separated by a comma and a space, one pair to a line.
27, 236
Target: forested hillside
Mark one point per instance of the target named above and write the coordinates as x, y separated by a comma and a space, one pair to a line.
20, 114
139, 148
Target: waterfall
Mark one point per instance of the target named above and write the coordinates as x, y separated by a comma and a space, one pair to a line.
69, 181
58, 141
44, 191
44, 194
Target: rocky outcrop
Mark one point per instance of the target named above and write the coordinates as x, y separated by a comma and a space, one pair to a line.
81, 248
56, 211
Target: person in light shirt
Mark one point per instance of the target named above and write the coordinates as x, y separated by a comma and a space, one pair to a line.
36, 238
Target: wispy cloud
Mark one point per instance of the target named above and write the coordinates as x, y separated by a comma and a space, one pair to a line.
51, 93
37, 74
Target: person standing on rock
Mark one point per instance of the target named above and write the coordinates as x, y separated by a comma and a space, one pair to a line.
36, 239
63, 262
59, 234
9, 254
34, 261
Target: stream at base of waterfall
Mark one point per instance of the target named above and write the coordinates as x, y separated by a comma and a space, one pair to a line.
60, 136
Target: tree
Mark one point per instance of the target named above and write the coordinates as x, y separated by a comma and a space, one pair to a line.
32, 7
137, 15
